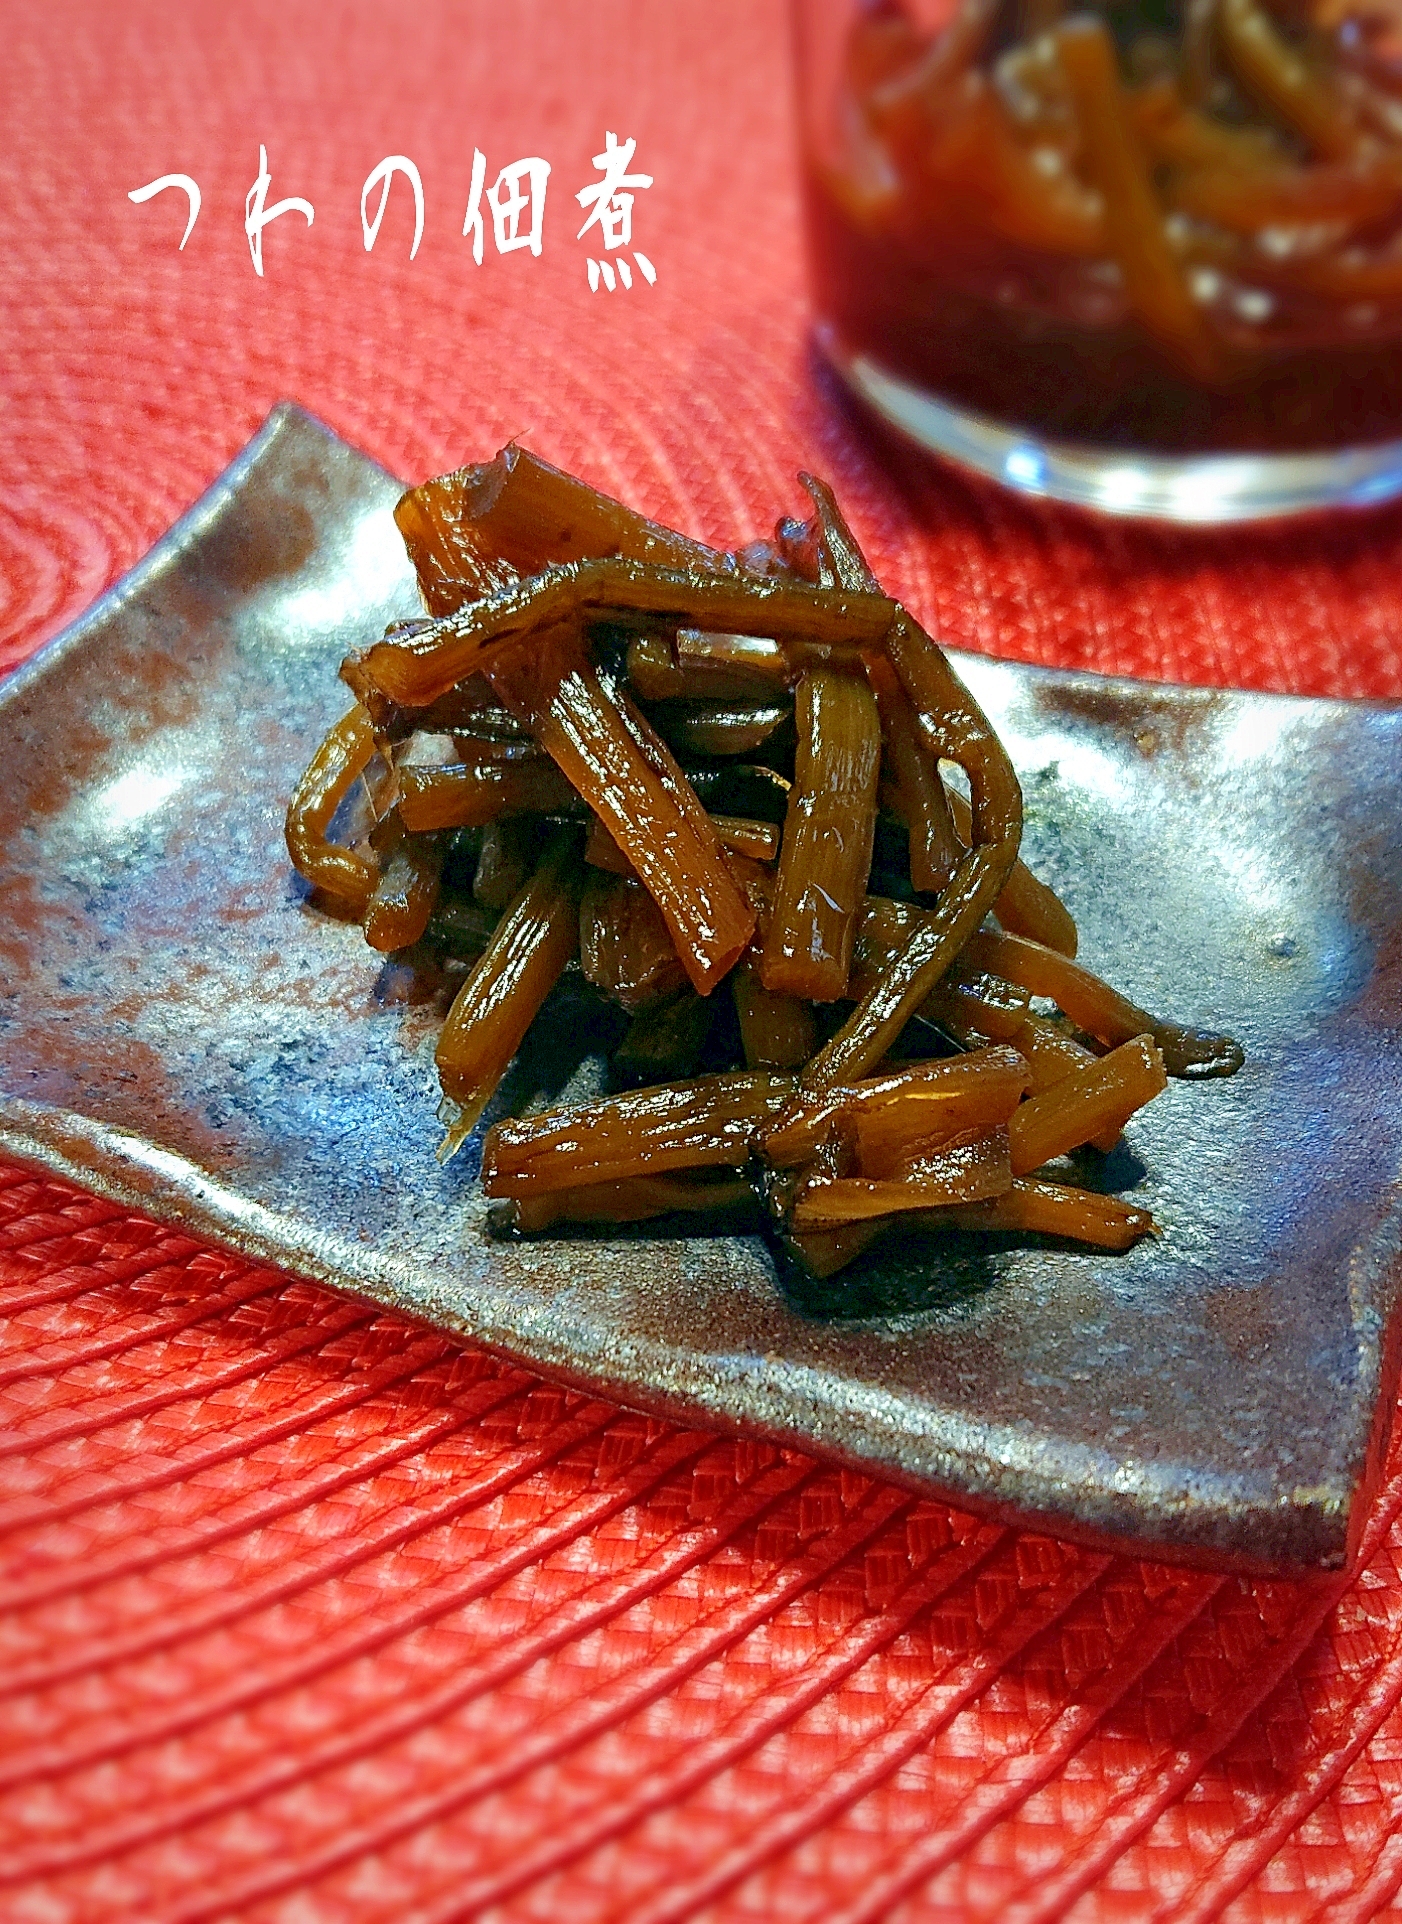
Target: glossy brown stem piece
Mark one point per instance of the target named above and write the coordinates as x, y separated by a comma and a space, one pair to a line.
759, 841
498, 1002
968, 1000
971, 1003
1026, 906
1100, 1097
1030, 1206
636, 1199
694, 666
888, 1114
344, 755
707, 1123
918, 795
503, 862
461, 929
1052, 1055
825, 856
922, 1120
664, 1042
967, 1169
631, 781
624, 946
1101, 1011
468, 795
406, 889
719, 728
453, 562
414, 669
826, 1251
522, 511
468, 708
776, 1030
1051, 1209
953, 726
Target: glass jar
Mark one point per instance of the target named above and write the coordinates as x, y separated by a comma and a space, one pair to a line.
1146, 258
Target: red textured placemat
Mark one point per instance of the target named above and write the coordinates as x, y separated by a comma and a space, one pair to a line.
308, 1615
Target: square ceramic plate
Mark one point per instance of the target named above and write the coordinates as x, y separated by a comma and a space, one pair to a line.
180, 1031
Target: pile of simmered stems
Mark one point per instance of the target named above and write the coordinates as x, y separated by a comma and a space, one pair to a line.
1259, 148
575, 657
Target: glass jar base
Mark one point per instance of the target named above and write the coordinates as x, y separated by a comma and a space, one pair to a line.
1207, 490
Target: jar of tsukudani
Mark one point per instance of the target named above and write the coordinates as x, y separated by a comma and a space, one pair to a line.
1146, 257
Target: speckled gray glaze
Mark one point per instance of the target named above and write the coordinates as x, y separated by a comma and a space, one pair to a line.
181, 1031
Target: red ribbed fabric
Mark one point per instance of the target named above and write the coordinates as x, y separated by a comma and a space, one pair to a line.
309, 1616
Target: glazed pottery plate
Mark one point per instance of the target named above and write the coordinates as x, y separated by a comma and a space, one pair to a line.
182, 1031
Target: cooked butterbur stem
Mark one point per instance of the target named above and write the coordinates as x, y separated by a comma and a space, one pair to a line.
489, 735
699, 667
664, 1042
1051, 1209
838, 557
1180, 135
624, 946
1031, 1205
775, 663
1283, 196
1103, 1096
708, 1123
825, 856
1026, 905
467, 795
663, 763
406, 889
1275, 73
872, 1028
498, 1002
1100, 1010
468, 708
635, 1200
974, 1003
653, 672
967, 1169
720, 728
922, 1118
630, 780
461, 929
968, 999
344, 755
601, 851
1197, 64
952, 725
919, 1103
415, 668
776, 1030
924, 83
1154, 283
1052, 1055
757, 840
917, 793
717, 666
503, 862
452, 561
826, 1251
523, 511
